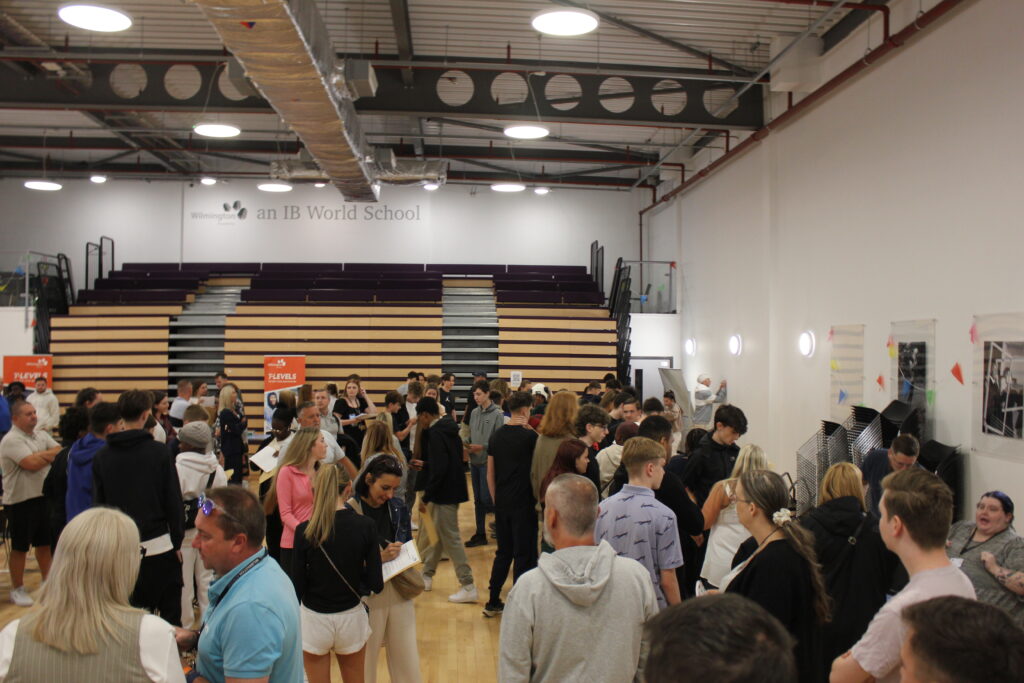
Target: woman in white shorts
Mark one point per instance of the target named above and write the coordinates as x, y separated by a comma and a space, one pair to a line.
336, 563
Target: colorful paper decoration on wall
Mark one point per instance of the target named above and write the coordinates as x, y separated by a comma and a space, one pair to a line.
958, 373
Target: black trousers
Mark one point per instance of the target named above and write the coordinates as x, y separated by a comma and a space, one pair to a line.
516, 529
158, 588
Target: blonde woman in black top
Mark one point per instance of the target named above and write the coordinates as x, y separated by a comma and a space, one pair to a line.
337, 561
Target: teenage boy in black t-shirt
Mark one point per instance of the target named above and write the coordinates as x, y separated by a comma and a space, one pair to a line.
509, 455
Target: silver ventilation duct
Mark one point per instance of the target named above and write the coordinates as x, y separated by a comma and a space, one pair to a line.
285, 49
387, 170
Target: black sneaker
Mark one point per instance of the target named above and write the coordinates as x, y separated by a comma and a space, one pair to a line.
476, 540
494, 609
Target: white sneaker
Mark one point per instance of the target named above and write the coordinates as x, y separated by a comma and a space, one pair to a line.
20, 597
466, 594
428, 583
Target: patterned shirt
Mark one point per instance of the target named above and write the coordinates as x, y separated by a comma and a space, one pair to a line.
641, 528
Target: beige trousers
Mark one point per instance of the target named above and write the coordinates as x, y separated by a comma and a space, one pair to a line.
393, 626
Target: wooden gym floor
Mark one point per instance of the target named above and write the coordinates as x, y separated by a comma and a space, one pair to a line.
457, 644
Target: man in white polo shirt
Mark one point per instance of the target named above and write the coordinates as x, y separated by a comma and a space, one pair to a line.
25, 457
309, 416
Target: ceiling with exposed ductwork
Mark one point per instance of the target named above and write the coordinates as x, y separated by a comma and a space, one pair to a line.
415, 88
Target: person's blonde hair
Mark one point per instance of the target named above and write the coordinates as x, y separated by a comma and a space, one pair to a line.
639, 451
841, 480
326, 490
751, 457
501, 386
560, 416
85, 597
607, 401
378, 439
299, 451
227, 398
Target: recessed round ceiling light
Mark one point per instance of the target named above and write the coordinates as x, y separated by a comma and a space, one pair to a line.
216, 130
274, 187
508, 187
565, 22
530, 132
94, 17
735, 344
98, 179
208, 181
319, 184
541, 190
430, 187
805, 343
690, 346
44, 185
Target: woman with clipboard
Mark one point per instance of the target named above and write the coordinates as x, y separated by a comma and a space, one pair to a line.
392, 614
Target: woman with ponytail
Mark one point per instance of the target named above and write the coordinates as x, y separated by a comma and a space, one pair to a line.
336, 563
782, 575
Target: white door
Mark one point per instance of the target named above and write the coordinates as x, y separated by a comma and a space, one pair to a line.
645, 373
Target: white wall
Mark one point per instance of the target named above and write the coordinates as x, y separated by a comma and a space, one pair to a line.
167, 220
896, 199
17, 337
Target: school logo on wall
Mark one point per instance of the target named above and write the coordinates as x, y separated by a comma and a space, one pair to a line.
237, 209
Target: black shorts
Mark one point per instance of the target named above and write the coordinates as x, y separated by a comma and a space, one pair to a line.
29, 524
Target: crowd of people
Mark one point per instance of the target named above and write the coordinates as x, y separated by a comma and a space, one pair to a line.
643, 543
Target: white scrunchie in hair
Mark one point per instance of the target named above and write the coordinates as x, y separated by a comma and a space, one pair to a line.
782, 516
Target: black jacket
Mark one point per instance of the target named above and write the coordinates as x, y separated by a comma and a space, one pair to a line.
710, 463
857, 576
446, 478
136, 474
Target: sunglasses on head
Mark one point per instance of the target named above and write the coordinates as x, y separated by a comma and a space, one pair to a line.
208, 505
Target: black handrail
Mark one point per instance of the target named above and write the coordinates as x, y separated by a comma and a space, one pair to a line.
90, 249
113, 263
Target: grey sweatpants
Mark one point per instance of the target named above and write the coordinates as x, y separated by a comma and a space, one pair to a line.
446, 519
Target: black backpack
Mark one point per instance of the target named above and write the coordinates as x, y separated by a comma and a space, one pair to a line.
192, 505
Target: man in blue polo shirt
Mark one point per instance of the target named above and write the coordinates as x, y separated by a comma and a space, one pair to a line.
251, 630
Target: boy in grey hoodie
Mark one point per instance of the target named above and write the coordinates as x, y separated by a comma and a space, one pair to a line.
482, 424
580, 614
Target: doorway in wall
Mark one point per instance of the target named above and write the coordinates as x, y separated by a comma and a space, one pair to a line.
645, 376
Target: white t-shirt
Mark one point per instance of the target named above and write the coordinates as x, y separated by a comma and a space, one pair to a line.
878, 650
157, 650
178, 407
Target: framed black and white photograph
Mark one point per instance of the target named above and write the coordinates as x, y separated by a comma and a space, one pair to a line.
912, 351
1002, 394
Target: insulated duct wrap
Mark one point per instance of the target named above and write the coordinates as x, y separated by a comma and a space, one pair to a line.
285, 49
414, 172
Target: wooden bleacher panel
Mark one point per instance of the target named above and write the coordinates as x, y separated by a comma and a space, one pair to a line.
380, 343
125, 348
554, 312
563, 347
125, 309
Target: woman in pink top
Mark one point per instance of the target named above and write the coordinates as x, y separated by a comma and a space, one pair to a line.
292, 490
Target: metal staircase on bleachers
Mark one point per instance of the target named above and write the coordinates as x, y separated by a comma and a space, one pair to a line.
469, 336
197, 335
